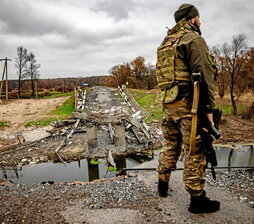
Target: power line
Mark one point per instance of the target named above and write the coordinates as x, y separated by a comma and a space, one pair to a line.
5, 74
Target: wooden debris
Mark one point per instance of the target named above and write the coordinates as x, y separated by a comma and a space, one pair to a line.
81, 96
136, 112
111, 132
64, 143
136, 135
109, 158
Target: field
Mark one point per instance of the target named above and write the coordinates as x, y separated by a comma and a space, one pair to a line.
17, 114
234, 128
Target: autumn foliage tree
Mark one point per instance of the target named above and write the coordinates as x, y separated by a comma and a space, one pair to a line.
120, 74
136, 74
138, 67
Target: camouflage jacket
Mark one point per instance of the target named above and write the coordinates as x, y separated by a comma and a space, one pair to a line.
191, 55
193, 49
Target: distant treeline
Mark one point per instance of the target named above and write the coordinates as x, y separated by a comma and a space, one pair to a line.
59, 84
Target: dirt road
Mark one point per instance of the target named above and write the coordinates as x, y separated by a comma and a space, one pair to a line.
19, 112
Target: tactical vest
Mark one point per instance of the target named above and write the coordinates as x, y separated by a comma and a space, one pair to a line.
170, 68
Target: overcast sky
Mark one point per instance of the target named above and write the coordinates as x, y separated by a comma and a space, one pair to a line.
77, 38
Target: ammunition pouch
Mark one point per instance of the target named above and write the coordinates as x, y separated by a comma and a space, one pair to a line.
165, 85
168, 93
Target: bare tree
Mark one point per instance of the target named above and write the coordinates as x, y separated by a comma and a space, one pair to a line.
21, 65
250, 70
238, 48
150, 77
222, 81
32, 71
233, 57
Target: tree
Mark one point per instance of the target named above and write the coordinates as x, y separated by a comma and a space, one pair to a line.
32, 71
138, 67
21, 65
235, 59
232, 59
120, 74
136, 73
150, 77
250, 70
222, 81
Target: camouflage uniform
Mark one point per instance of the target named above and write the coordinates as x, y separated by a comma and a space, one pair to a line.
186, 52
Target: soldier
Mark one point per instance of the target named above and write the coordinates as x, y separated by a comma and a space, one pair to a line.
182, 53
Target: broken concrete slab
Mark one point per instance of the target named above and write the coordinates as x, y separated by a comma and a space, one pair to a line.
37, 134
78, 115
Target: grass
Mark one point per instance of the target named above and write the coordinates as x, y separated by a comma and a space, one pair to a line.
53, 94
147, 99
64, 110
4, 124
60, 113
137, 93
228, 110
94, 162
41, 122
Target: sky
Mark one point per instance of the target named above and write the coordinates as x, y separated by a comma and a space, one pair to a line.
80, 38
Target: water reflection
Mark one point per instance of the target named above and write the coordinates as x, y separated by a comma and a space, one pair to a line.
83, 170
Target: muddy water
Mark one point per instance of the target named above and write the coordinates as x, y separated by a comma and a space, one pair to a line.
82, 170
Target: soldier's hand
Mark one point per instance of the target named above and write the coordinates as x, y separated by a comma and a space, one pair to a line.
210, 119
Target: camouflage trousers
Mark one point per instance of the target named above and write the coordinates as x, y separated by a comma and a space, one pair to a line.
176, 127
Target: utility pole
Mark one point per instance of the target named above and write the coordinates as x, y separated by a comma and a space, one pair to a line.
5, 73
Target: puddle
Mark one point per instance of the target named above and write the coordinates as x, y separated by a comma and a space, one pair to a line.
84, 171
81, 170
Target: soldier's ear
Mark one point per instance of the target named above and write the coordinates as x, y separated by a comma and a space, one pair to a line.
191, 20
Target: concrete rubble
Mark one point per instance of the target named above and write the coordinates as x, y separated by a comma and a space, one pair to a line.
100, 123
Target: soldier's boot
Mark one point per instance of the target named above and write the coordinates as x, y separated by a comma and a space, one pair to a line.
202, 204
163, 188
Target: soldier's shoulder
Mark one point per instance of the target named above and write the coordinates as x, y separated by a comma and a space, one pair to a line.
190, 37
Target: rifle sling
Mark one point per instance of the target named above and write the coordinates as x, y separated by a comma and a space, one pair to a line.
194, 115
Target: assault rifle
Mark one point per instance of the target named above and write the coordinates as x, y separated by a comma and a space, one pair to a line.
211, 131
208, 137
